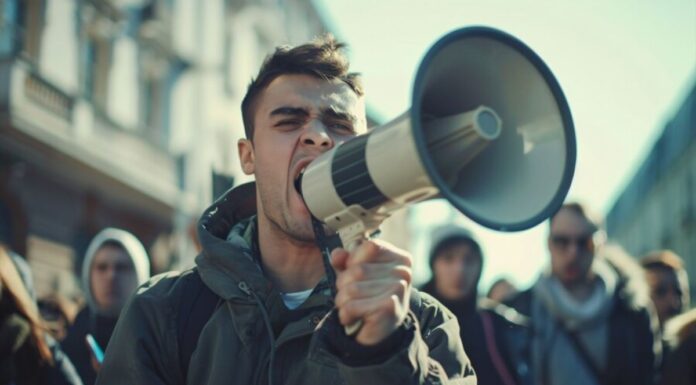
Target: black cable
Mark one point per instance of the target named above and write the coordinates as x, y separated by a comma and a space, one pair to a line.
322, 242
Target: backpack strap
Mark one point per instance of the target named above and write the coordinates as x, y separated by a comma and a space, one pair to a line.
196, 307
585, 355
492, 347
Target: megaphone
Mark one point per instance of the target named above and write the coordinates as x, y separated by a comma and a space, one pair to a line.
489, 130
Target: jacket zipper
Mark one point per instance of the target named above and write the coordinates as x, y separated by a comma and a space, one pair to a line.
243, 286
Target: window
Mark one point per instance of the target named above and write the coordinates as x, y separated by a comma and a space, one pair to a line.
32, 23
152, 109
97, 64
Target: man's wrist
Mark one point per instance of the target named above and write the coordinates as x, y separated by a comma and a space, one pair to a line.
353, 353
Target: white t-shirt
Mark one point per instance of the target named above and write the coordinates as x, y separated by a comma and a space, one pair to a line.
294, 300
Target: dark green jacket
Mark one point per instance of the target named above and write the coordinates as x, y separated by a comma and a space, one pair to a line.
234, 346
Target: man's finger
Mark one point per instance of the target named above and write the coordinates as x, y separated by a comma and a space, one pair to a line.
359, 309
369, 289
377, 251
372, 271
339, 259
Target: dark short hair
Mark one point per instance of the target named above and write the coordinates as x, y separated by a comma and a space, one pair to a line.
580, 209
322, 58
662, 259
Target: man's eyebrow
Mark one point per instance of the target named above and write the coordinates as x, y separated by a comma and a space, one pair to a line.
290, 111
338, 114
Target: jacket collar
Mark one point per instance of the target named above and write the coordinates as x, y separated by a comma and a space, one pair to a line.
227, 232
227, 259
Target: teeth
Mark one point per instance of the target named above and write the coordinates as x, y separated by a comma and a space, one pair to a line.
299, 174
298, 180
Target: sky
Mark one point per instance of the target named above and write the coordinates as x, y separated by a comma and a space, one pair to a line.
625, 68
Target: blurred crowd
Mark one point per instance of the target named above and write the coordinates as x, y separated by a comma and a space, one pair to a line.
595, 315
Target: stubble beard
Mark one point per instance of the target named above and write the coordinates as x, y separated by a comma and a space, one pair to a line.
291, 228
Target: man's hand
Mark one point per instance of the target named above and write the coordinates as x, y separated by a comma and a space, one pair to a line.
373, 284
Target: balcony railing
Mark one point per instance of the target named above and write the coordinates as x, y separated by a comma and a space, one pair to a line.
49, 96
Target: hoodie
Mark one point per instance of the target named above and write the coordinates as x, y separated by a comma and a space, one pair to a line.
478, 338
90, 320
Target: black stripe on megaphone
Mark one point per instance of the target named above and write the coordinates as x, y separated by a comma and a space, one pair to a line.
351, 178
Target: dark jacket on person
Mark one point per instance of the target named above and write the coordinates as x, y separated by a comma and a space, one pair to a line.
632, 339
479, 336
680, 363
20, 362
86, 322
251, 333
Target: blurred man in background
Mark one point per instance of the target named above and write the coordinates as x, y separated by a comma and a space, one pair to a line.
114, 265
589, 319
668, 283
456, 261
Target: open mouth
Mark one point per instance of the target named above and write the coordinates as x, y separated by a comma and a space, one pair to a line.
298, 180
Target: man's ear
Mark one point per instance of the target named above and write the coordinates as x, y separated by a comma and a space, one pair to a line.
246, 155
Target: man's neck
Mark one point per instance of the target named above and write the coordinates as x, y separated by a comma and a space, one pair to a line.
290, 264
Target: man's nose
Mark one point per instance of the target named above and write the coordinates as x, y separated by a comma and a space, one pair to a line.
573, 250
110, 274
316, 134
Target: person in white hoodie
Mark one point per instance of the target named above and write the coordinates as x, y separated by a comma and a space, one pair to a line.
115, 264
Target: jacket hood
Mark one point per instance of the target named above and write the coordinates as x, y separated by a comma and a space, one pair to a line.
134, 249
226, 232
453, 233
446, 233
631, 286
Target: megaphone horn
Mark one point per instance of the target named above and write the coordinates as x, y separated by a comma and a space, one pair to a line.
489, 130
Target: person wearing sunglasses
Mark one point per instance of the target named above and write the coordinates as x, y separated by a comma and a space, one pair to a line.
587, 318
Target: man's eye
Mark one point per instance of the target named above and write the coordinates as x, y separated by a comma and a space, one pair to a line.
124, 268
101, 268
342, 127
289, 123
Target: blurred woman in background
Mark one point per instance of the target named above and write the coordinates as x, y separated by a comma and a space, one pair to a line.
27, 356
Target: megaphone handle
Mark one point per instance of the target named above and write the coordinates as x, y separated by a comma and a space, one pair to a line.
350, 246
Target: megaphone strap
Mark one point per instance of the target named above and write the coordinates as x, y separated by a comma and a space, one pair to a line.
323, 243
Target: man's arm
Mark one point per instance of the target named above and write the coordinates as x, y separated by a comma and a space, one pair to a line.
426, 350
141, 350
396, 344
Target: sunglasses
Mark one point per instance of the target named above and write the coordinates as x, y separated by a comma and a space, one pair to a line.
565, 241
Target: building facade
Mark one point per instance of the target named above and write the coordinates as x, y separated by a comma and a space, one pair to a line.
657, 210
125, 113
